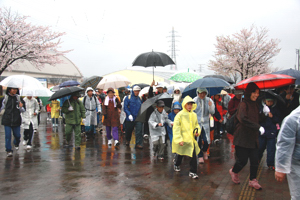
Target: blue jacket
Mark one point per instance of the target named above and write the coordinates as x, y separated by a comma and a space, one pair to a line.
132, 105
171, 117
270, 123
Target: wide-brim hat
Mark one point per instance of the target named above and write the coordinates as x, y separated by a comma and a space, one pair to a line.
110, 89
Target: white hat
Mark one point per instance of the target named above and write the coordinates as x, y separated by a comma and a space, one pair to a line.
159, 85
136, 88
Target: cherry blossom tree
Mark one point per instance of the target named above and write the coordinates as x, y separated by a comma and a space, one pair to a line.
21, 41
244, 54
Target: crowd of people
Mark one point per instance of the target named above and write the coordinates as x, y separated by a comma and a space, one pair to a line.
192, 125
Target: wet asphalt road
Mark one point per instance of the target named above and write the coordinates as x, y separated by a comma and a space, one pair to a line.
50, 171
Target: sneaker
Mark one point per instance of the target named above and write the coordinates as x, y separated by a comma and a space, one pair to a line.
205, 156
234, 176
201, 160
117, 143
16, 148
177, 168
28, 147
35, 131
254, 183
193, 175
24, 142
160, 158
109, 142
146, 136
9, 154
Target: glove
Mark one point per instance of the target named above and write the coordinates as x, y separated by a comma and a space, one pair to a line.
266, 110
130, 117
262, 130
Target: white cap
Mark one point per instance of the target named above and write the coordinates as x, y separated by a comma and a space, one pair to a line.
136, 88
159, 85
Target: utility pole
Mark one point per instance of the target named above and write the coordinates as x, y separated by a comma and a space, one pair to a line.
200, 67
173, 48
297, 53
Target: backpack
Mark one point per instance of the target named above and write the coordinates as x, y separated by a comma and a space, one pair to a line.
232, 122
5, 100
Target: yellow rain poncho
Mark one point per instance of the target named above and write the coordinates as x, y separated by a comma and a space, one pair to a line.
184, 124
55, 106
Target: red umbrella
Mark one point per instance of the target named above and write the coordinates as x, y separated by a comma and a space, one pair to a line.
267, 81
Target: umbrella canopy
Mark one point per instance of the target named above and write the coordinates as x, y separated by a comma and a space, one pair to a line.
21, 81
141, 85
69, 83
65, 92
292, 73
225, 78
267, 81
91, 82
265, 94
145, 90
54, 88
40, 92
153, 59
181, 86
213, 85
115, 81
185, 77
148, 106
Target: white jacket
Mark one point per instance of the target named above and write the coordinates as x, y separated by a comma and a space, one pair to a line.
31, 106
157, 131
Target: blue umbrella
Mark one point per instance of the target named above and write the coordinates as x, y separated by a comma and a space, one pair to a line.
291, 72
69, 83
213, 85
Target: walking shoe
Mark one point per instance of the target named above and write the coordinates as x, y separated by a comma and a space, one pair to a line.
9, 154
177, 168
117, 143
17, 148
77, 147
139, 147
160, 158
35, 131
109, 143
146, 136
205, 156
234, 176
24, 142
28, 147
201, 160
272, 168
193, 175
254, 183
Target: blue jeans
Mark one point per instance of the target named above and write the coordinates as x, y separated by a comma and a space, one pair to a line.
203, 146
138, 132
270, 145
17, 136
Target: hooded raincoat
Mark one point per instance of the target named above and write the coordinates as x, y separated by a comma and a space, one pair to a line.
91, 105
55, 106
177, 97
32, 106
184, 125
287, 159
203, 110
157, 131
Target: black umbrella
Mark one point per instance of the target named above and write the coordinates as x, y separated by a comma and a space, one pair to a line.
269, 93
225, 78
290, 72
148, 106
65, 92
141, 85
91, 82
153, 59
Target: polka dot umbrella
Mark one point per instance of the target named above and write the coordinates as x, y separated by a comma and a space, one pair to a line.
185, 77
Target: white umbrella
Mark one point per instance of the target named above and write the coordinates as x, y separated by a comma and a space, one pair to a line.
115, 81
40, 92
21, 81
145, 90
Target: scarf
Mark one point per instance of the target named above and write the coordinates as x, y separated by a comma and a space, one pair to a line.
107, 99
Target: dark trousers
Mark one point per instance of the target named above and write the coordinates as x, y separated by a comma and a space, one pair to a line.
138, 132
28, 134
203, 145
146, 128
242, 155
158, 147
217, 129
193, 162
270, 145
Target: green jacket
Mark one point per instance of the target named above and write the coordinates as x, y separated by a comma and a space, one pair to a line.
73, 117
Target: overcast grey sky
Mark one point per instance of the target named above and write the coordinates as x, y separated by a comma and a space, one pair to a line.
106, 36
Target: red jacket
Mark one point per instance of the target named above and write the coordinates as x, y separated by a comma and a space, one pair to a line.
232, 105
219, 107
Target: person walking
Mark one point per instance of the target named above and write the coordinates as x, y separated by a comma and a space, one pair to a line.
111, 114
92, 108
55, 108
246, 136
132, 105
74, 112
12, 107
29, 119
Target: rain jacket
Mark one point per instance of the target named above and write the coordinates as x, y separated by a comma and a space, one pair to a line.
91, 105
219, 106
177, 97
132, 105
155, 130
111, 111
171, 117
184, 124
233, 105
55, 106
203, 112
73, 117
32, 106
12, 113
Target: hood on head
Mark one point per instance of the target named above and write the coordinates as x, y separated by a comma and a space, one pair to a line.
176, 88
88, 89
176, 105
251, 87
186, 100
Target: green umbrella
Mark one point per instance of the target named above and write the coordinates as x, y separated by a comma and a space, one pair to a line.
185, 77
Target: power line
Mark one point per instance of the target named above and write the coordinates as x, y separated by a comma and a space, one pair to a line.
173, 48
